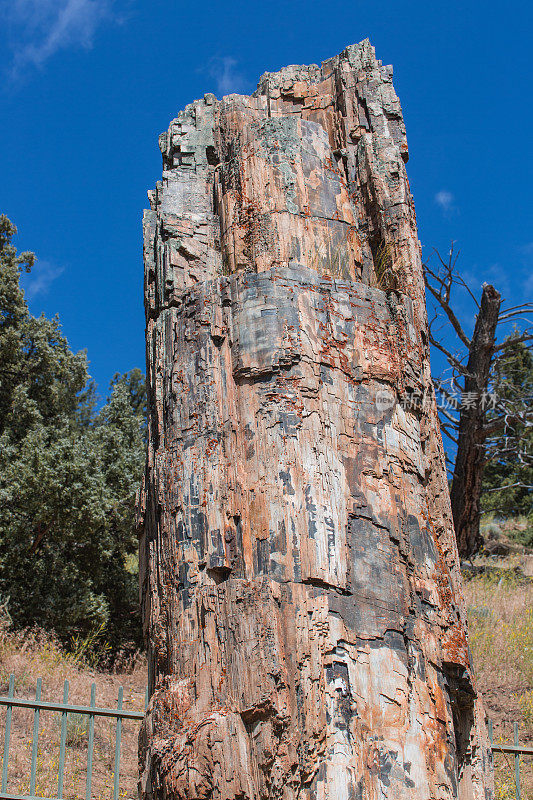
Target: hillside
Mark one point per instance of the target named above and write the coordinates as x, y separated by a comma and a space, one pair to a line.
500, 611
34, 654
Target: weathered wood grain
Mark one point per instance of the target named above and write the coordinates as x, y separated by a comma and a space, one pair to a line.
299, 576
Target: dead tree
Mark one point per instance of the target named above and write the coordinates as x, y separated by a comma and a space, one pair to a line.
465, 417
300, 583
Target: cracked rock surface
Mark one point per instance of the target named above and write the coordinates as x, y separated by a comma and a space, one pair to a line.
301, 594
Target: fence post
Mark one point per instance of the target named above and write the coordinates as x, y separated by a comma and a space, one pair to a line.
62, 743
35, 739
516, 762
11, 701
118, 744
11, 693
91, 745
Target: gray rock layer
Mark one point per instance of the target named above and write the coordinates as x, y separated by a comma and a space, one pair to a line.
299, 576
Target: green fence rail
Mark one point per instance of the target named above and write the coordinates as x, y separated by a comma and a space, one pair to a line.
64, 708
119, 713
515, 749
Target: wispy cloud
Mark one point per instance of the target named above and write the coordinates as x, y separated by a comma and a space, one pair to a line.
38, 29
228, 78
445, 200
38, 282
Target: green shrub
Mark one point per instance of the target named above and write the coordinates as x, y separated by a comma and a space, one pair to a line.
77, 729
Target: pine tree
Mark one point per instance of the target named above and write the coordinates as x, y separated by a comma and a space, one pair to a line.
68, 475
508, 477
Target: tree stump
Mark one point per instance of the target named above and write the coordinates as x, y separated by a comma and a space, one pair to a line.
300, 585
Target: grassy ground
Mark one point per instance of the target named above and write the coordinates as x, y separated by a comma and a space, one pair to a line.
500, 611
33, 655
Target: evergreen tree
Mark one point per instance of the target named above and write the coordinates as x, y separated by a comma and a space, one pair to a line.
508, 477
68, 476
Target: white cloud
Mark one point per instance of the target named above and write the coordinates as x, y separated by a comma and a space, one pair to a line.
445, 200
229, 80
40, 278
38, 29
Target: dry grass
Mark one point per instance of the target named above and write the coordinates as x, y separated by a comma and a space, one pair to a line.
31, 655
501, 638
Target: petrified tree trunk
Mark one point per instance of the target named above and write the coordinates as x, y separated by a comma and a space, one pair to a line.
300, 587
469, 462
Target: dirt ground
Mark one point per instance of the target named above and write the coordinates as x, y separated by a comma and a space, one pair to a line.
500, 610
34, 655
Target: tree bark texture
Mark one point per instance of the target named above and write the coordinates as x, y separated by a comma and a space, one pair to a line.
299, 575
469, 462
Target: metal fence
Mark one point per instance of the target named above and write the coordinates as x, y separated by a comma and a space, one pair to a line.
516, 750
91, 711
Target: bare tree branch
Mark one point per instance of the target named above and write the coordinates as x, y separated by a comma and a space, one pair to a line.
442, 292
439, 387
451, 358
449, 313
516, 309
510, 486
485, 431
525, 337
449, 417
446, 428
492, 427
464, 284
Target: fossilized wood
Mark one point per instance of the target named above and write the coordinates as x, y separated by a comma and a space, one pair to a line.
300, 583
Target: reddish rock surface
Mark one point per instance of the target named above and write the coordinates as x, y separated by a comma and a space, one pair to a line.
300, 583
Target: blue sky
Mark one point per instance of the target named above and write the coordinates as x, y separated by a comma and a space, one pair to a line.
87, 86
